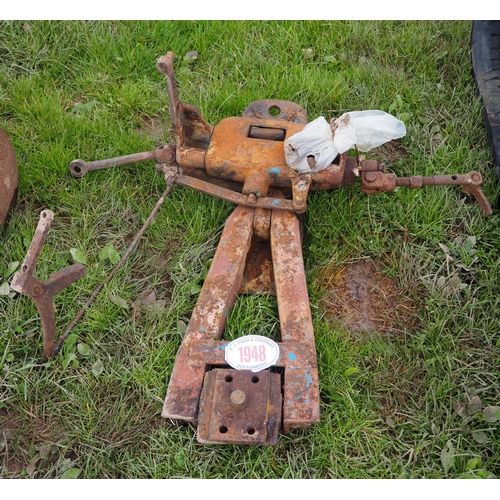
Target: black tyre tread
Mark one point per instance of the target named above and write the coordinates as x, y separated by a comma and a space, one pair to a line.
485, 44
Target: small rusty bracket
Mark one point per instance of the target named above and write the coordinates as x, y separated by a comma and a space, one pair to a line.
42, 292
240, 407
192, 131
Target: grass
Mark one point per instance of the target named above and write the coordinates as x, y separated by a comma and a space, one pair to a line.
404, 404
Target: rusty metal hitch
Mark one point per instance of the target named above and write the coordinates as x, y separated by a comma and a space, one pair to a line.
242, 160
41, 292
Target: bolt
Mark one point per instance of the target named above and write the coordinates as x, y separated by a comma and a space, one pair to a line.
166, 156
370, 176
37, 290
238, 399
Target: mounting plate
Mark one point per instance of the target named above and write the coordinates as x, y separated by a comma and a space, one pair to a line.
240, 407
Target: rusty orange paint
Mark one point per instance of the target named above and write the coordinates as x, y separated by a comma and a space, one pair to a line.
257, 162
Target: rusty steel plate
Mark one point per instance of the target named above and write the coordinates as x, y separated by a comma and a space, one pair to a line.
258, 276
9, 179
272, 109
240, 407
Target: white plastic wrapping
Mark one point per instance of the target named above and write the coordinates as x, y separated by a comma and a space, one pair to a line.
374, 128
323, 141
315, 139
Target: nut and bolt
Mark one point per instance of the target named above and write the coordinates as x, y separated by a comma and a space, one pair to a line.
252, 198
238, 399
371, 176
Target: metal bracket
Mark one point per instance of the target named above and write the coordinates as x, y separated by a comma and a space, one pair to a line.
240, 407
42, 292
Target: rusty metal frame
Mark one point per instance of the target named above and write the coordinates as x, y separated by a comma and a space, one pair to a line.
203, 347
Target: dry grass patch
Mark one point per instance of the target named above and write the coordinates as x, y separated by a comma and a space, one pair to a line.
363, 299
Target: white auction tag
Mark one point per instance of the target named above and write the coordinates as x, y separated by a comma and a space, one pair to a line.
252, 352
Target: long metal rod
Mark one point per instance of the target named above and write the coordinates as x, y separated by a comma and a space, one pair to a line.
165, 154
130, 249
250, 201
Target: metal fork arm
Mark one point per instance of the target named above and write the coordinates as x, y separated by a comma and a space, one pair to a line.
41, 292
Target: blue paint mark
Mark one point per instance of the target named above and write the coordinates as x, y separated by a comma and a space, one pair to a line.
291, 356
309, 379
274, 202
202, 329
307, 401
274, 170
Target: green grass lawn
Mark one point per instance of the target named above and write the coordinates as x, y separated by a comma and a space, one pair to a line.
415, 396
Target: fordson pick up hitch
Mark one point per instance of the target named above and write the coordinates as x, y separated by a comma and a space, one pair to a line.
242, 160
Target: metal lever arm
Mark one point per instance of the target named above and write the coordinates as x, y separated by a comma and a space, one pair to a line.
250, 200
165, 65
376, 181
165, 154
480, 197
470, 183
